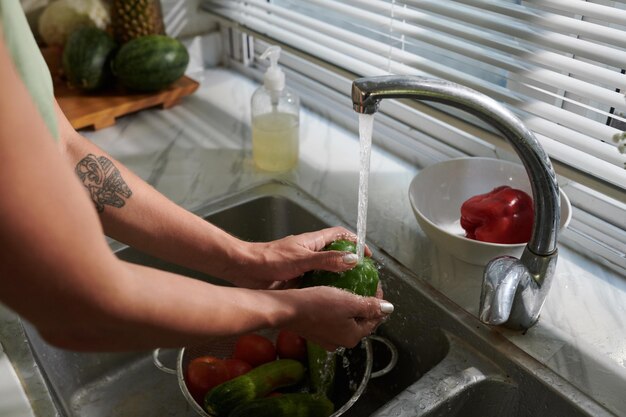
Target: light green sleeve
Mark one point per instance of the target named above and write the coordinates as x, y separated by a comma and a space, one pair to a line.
28, 60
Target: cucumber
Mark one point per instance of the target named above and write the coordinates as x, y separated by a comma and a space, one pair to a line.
257, 383
86, 58
286, 405
362, 280
322, 366
150, 63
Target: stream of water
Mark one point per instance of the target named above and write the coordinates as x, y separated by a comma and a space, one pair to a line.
366, 124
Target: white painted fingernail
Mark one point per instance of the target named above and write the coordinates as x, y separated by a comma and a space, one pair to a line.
350, 258
386, 307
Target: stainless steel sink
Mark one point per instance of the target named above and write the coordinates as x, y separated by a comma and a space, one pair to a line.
449, 363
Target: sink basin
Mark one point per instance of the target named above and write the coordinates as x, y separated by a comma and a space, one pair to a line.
449, 363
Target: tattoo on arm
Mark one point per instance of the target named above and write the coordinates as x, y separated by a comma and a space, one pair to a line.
103, 181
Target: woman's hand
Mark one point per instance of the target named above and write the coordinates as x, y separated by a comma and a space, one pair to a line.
332, 317
273, 265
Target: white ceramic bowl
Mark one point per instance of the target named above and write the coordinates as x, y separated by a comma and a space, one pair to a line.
438, 191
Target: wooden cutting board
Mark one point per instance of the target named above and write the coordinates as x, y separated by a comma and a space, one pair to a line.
100, 109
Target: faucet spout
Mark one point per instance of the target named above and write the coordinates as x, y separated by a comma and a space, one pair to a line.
525, 293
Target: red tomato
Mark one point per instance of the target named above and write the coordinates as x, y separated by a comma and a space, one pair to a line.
206, 358
254, 349
291, 346
204, 373
237, 367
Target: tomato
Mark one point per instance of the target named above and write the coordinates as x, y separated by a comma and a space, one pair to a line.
236, 367
291, 346
206, 358
254, 349
204, 373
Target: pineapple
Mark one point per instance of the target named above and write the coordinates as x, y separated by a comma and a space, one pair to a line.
134, 18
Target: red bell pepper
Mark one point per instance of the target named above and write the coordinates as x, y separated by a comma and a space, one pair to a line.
503, 215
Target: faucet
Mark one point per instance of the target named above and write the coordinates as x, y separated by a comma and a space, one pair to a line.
513, 290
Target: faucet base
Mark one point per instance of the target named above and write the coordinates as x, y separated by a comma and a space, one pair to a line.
514, 290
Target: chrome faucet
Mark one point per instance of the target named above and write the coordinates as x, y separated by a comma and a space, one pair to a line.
513, 290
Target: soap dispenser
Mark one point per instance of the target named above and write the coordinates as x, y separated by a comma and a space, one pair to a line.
275, 119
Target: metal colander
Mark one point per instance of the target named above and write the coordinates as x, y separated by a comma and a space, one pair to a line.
353, 372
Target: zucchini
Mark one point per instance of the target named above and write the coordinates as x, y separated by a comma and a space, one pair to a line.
286, 405
257, 383
362, 280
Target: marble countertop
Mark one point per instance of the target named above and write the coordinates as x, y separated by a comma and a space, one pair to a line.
200, 150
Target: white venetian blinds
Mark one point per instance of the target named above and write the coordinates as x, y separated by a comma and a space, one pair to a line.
559, 64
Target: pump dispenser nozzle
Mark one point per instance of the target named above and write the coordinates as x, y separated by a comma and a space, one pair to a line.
274, 78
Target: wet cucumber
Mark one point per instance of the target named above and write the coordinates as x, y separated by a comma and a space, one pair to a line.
286, 405
361, 280
257, 383
322, 366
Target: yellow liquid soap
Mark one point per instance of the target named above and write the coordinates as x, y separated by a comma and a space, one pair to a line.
275, 141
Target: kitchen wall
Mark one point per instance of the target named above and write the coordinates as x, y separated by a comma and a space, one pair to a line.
184, 18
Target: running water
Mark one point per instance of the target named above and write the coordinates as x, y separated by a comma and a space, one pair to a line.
366, 124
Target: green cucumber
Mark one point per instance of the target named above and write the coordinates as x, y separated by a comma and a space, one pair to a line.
322, 366
286, 405
257, 383
86, 58
150, 63
362, 280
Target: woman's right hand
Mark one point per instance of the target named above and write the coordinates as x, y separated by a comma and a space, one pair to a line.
332, 317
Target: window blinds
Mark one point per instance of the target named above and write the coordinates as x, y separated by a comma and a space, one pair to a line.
558, 64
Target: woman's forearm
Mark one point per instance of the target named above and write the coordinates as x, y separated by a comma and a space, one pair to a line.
141, 308
133, 212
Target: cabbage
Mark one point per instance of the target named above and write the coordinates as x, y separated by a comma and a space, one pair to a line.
61, 17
